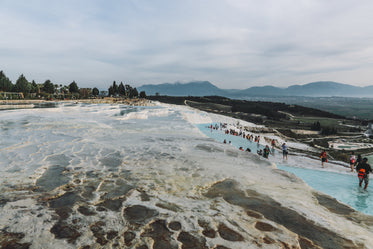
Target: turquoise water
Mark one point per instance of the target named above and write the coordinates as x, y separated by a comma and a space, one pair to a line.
235, 140
343, 187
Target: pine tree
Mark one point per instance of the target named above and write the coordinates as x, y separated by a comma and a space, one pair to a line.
121, 89
22, 85
95, 91
48, 87
73, 87
5, 84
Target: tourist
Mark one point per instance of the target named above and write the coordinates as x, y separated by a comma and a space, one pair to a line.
266, 152
358, 160
225, 141
241, 149
324, 158
260, 152
363, 170
273, 143
248, 150
352, 161
284, 151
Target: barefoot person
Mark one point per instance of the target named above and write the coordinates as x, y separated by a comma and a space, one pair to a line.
363, 170
284, 151
273, 143
324, 158
352, 161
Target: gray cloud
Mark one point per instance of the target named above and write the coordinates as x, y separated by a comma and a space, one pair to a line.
234, 44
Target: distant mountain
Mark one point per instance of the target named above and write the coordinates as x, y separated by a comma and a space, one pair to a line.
205, 88
197, 88
325, 88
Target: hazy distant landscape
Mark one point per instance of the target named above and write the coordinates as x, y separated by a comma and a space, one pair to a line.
350, 107
342, 99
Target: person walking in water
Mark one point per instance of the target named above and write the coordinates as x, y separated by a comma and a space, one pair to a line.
284, 151
363, 170
324, 158
273, 143
352, 161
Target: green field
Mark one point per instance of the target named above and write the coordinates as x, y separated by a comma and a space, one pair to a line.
361, 108
325, 122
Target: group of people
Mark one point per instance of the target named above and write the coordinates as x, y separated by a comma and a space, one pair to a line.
363, 168
265, 152
361, 164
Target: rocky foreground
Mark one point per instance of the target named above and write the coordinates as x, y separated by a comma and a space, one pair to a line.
157, 189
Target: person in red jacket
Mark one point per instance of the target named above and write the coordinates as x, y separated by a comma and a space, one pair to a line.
324, 158
363, 170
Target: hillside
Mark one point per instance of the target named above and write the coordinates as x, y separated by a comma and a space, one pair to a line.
198, 88
263, 111
205, 88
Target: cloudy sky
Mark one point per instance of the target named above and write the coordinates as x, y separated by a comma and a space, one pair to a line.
231, 43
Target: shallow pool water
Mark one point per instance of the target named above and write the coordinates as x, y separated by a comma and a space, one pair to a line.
236, 141
344, 187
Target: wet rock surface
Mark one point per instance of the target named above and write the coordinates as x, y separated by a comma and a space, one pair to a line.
63, 212
333, 205
10, 240
138, 214
62, 230
114, 205
262, 226
221, 247
272, 210
86, 210
174, 225
128, 237
99, 233
68, 199
190, 241
74, 212
159, 232
228, 234
207, 230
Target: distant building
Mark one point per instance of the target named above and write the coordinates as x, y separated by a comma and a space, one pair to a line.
11, 95
103, 93
85, 92
369, 132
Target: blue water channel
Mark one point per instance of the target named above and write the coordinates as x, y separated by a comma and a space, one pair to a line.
343, 187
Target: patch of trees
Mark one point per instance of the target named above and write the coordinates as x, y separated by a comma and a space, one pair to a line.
329, 130
41, 90
123, 90
316, 126
325, 130
258, 108
50, 90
